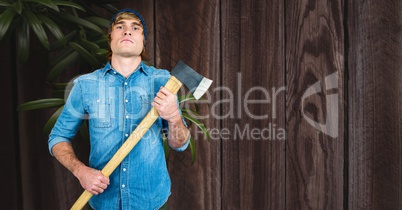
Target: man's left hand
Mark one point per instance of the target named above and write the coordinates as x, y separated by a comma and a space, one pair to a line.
166, 104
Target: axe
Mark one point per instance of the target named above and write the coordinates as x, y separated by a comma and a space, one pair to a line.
181, 74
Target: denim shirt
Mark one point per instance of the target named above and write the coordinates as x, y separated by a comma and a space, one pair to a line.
114, 106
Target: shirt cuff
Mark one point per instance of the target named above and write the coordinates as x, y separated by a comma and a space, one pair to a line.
55, 141
184, 147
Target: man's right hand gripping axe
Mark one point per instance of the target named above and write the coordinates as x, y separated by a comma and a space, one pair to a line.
181, 74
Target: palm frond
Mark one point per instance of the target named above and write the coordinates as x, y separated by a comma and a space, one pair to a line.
52, 120
40, 104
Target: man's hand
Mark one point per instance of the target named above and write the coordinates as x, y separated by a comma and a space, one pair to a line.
92, 180
166, 104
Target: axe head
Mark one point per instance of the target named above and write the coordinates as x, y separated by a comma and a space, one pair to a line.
196, 83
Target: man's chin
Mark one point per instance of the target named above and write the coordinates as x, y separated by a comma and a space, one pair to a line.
128, 54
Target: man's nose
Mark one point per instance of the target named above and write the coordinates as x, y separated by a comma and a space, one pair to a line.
127, 33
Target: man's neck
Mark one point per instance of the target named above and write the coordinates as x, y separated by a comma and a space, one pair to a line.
125, 66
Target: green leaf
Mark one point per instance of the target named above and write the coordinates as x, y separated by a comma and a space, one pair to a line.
36, 26
40, 104
193, 150
102, 22
58, 93
58, 86
193, 113
88, 45
88, 57
189, 97
52, 120
59, 67
57, 44
61, 55
5, 21
17, 6
53, 27
47, 3
79, 21
103, 2
197, 108
69, 4
101, 52
110, 8
102, 43
23, 41
198, 123
166, 147
184, 98
5, 4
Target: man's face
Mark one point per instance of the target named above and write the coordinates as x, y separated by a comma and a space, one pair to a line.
127, 38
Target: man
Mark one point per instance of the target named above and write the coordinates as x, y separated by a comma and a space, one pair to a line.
115, 99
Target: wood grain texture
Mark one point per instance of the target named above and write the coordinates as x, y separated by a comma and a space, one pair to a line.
249, 47
314, 51
189, 31
253, 157
375, 105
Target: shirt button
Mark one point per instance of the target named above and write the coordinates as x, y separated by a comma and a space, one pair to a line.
114, 72
126, 135
123, 185
127, 116
126, 100
124, 169
125, 83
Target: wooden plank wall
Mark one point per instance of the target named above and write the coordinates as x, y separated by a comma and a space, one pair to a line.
189, 31
275, 65
314, 56
253, 164
375, 105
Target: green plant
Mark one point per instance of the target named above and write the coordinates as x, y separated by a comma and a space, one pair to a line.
74, 34
50, 20
192, 116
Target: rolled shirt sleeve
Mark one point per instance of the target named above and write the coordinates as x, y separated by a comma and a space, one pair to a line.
70, 119
166, 127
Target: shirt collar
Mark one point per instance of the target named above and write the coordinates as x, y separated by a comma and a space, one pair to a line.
142, 67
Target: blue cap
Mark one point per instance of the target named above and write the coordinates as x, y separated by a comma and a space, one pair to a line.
135, 13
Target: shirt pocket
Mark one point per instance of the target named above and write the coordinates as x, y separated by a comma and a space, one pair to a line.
145, 103
100, 116
147, 98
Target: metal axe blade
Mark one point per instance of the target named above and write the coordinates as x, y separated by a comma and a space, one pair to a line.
196, 83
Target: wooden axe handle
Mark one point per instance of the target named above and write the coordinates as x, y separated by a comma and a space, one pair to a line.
173, 85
